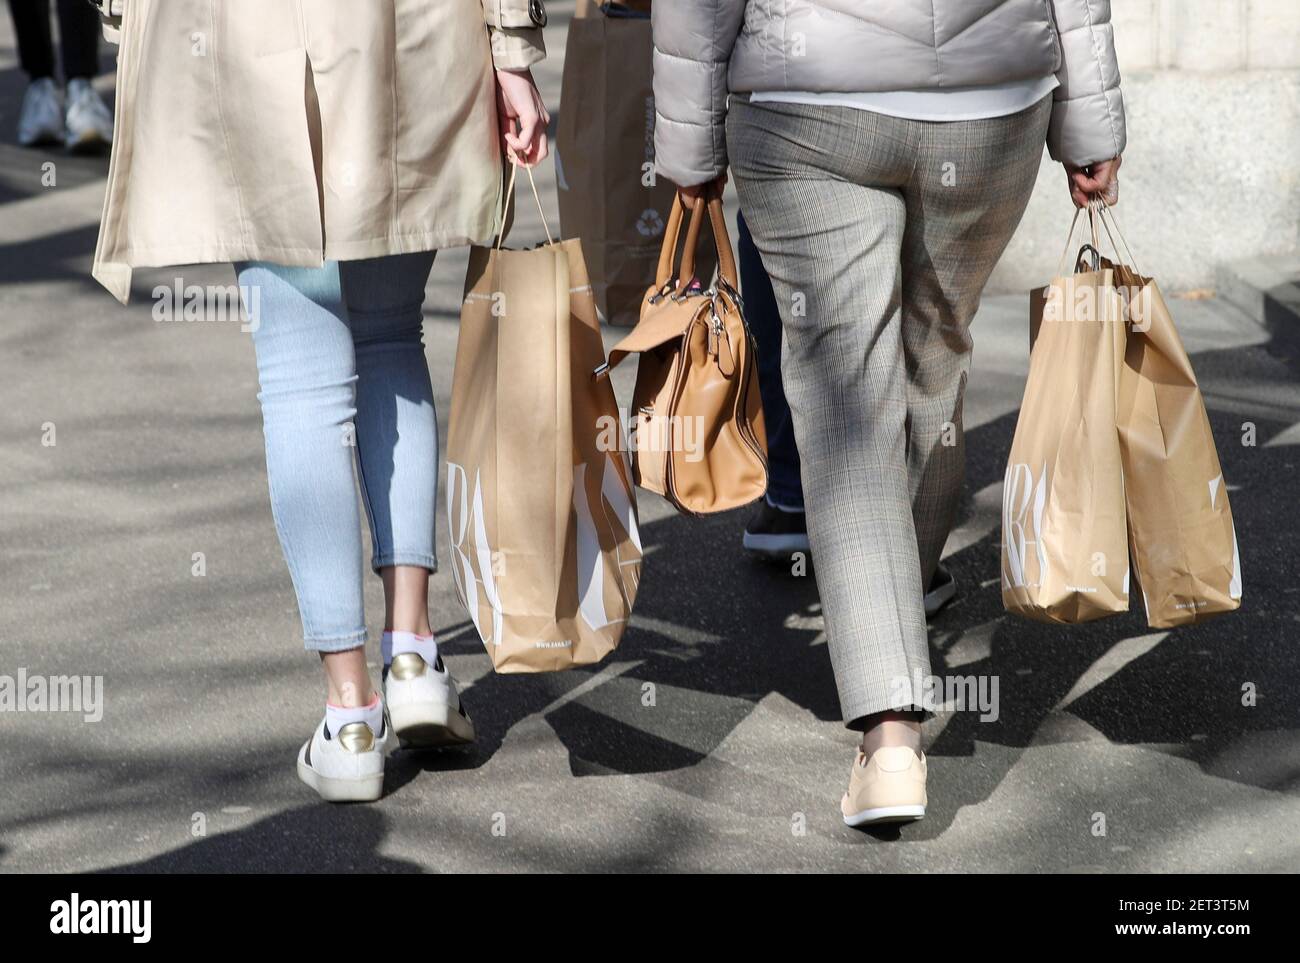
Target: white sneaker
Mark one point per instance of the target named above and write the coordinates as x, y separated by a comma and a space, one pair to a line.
423, 704
40, 121
89, 123
347, 766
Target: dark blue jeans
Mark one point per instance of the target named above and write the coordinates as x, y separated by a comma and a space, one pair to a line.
78, 35
783, 484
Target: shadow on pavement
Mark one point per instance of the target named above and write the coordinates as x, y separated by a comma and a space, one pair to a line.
1180, 691
291, 841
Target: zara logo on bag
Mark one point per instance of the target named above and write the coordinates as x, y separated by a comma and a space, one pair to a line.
463, 510
1023, 499
472, 568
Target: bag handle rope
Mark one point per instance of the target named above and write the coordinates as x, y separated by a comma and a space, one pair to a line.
1098, 212
509, 199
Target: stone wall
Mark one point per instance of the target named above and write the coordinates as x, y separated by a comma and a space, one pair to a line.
1212, 89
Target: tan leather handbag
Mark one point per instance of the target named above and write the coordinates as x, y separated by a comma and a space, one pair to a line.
696, 428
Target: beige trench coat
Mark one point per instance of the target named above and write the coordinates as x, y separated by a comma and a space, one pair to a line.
295, 131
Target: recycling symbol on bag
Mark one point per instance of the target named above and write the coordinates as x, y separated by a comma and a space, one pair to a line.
650, 223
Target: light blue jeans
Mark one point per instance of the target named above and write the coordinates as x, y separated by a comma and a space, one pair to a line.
340, 358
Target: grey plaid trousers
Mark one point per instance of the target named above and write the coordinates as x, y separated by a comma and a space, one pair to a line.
879, 234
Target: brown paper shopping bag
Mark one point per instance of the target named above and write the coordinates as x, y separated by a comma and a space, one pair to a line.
1064, 539
541, 516
610, 197
1183, 543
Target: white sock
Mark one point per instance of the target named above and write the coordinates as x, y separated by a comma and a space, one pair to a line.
336, 717
397, 643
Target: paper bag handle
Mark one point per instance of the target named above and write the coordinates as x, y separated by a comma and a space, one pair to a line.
1106, 215
1069, 238
1099, 212
508, 199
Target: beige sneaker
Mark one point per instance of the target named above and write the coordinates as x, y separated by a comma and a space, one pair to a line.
887, 788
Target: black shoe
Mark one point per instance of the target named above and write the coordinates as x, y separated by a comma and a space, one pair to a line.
943, 589
775, 533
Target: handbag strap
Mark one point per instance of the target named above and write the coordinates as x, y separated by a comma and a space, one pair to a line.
708, 204
686, 270
668, 250
668, 268
722, 240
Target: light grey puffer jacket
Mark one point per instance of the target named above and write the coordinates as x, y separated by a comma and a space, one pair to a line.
705, 48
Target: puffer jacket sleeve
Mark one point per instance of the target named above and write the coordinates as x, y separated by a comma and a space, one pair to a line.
693, 40
1088, 112
516, 29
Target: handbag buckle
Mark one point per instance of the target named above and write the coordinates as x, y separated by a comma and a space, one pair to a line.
663, 292
731, 292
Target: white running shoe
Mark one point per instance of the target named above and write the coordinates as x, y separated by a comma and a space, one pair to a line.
346, 766
89, 123
40, 121
423, 703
